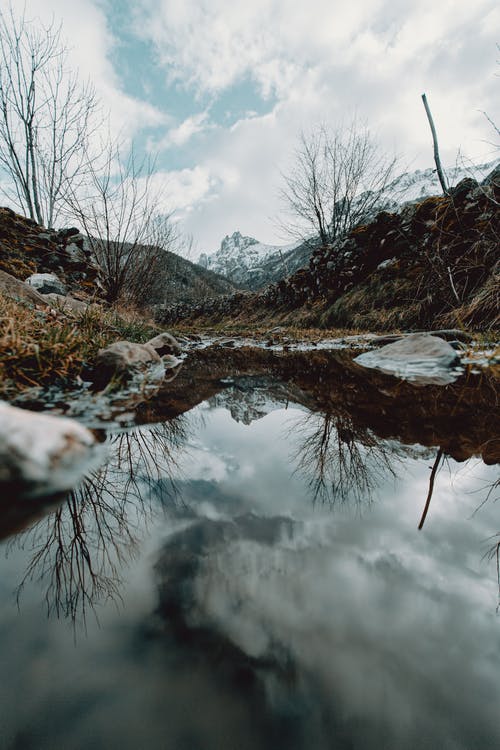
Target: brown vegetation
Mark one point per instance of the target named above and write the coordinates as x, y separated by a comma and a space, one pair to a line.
42, 347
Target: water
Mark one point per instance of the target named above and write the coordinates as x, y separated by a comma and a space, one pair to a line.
250, 574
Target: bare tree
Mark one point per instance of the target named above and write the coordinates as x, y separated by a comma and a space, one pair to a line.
46, 117
127, 229
339, 179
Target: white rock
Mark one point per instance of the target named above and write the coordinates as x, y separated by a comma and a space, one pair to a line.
41, 454
67, 303
165, 343
45, 283
124, 359
418, 357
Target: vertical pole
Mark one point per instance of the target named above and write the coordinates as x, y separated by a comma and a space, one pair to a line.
437, 160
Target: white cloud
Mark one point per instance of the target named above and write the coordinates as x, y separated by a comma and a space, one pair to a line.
182, 133
183, 189
312, 62
90, 42
323, 61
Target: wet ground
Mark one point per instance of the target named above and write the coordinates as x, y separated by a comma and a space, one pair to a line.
246, 568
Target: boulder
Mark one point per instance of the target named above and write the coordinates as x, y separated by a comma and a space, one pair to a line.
418, 357
123, 359
18, 290
67, 232
165, 343
419, 347
46, 283
66, 303
75, 253
41, 454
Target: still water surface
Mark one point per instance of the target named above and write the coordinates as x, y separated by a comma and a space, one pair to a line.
250, 576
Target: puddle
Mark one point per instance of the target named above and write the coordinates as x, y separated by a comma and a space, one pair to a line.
246, 570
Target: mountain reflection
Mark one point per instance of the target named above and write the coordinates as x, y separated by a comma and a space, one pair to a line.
79, 551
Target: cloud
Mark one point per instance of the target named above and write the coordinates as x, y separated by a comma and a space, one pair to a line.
182, 133
321, 63
90, 42
183, 189
297, 65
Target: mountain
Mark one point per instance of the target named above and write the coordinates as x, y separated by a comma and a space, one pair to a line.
252, 264
27, 248
410, 187
247, 402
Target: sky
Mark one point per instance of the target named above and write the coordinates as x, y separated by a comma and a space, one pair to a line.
219, 91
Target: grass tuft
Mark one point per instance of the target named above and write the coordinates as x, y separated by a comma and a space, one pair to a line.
39, 348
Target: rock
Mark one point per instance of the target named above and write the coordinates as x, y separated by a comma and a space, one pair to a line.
123, 360
390, 338
165, 343
75, 252
42, 454
68, 232
387, 263
46, 283
18, 290
448, 334
418, 357
66, 303
170, 361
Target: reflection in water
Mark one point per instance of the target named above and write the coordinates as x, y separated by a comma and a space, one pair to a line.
435, 466
79, 551
342, 461
254, 618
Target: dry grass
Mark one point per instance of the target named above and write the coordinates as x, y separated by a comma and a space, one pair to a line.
42, 347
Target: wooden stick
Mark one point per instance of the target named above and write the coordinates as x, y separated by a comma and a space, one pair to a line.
431, 486
437, 160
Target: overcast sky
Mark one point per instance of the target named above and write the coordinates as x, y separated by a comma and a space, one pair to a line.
221, 89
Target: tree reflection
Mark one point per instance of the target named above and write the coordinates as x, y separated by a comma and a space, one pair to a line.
79, 551
342, 461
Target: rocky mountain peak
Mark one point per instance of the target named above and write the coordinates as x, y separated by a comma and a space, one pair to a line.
236, 241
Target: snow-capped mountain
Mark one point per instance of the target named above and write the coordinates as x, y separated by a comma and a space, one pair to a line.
243, 260
420, 184
253, 265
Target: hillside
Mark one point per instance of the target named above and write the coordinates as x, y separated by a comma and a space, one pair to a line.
27, 248
188, 282
432, 262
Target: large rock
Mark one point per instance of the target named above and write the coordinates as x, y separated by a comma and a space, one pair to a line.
46, 283
18, 290
123, 359
418, 357
41, 454
66, 303
165, 343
